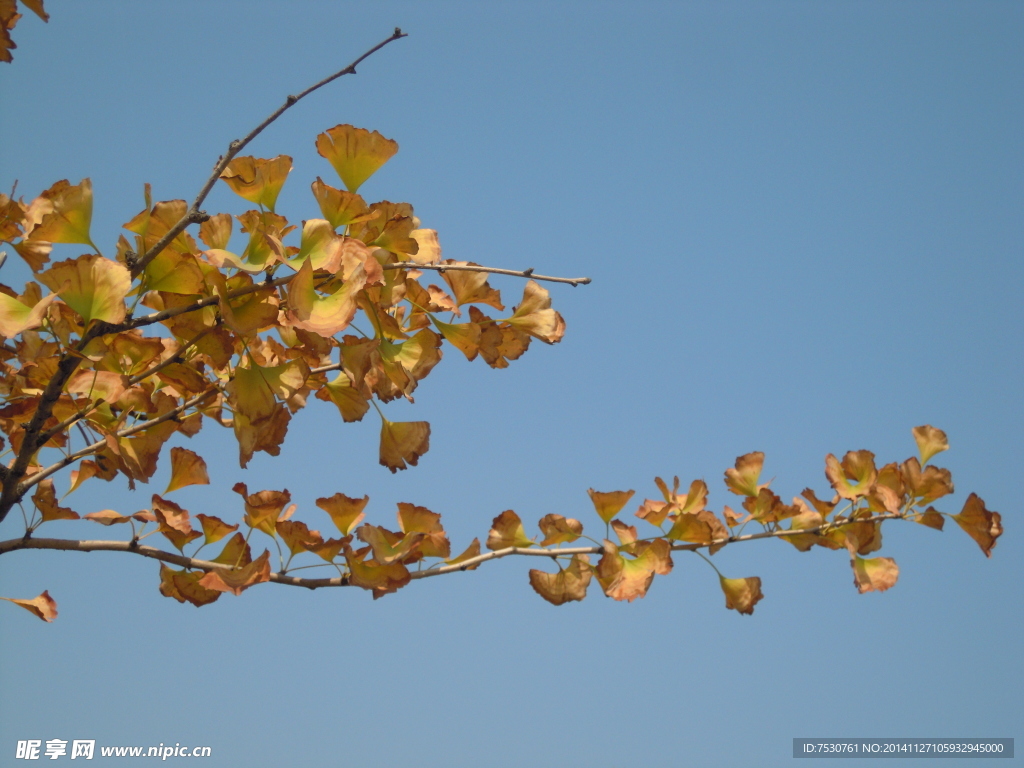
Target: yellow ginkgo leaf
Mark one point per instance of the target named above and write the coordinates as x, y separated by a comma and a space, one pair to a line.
257, 179
67, 213
16, 317
91, 285
355, 153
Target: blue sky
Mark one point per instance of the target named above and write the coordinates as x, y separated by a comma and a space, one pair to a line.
803, 224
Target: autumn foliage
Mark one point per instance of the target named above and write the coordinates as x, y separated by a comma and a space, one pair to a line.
250, 318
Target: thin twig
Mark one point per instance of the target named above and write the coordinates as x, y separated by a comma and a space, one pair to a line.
442, 268
194, 215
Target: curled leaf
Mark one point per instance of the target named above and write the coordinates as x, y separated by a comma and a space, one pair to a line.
256, 179
535, 316
469, 553
44, 606
855, 476
742, 479
559, 530
627, 579
742, 594
980, 524
930, 441
238, 580
567, 585
874, 574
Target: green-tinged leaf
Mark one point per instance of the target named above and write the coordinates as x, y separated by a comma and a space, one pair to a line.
91, 285
355, 153
742, 479
854, 477
930, 441
257, 179
66, 214
507, 531
16, 317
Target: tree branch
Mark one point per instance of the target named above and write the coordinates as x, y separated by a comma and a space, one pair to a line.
195, 215
23, 488
442, 268
155, 553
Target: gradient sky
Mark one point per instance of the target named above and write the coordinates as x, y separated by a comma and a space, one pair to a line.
803, 224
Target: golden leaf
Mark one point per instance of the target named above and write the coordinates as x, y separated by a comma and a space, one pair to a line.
257, 179
609, 503
355, 153
91, 285
858, 467
415, 519
742, 480
215, 529
930, 441
345, 512
67, 214
339, 207
535, 316
16, 317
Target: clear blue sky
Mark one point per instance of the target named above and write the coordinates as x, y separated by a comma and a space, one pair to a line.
804, 226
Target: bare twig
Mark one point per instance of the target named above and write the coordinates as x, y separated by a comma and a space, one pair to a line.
442, 268
195, 215
283, 578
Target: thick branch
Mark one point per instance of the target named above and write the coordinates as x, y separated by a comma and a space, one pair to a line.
194, 215
342, 581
